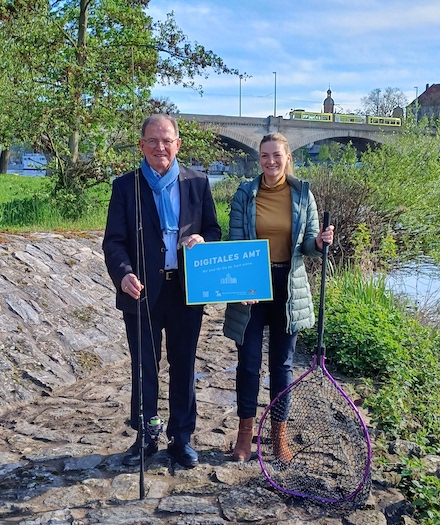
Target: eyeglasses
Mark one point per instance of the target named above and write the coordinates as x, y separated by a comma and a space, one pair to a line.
153, 143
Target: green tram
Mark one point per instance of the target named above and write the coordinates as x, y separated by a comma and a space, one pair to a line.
310, 116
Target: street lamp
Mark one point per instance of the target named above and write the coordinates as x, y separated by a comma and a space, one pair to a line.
417, 103
241, 76
239, 104
275, 96
378, 101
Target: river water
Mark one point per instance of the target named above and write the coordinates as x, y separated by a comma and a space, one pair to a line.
418, 281
41, 173
27, 172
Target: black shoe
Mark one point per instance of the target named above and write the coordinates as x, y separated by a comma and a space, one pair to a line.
133, 455
184, 455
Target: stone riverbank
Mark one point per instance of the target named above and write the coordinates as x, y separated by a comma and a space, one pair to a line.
64, 402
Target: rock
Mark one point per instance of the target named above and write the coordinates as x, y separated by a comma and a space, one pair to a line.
432, 465
57, 319
367, 517
404, 448
406, 520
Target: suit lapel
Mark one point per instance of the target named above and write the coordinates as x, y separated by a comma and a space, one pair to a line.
184, 184
148, 203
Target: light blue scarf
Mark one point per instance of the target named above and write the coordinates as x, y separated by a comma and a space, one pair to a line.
161, 185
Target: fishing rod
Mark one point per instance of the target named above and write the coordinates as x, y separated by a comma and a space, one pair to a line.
155, 425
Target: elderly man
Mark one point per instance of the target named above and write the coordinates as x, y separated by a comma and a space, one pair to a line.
153, 212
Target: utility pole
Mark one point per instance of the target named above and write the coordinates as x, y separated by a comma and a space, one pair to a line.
275, 96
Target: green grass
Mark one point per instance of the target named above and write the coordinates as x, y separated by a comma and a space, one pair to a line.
371, 335
15, 186
28, 203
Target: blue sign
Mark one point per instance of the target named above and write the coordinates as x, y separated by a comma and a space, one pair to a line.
228, 272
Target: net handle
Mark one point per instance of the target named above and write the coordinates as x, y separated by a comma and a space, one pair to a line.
320, 348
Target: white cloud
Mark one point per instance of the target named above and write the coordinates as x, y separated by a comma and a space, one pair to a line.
354, 46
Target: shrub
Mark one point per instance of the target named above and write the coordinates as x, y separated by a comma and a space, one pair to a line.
369, 334
224, 190
363, 325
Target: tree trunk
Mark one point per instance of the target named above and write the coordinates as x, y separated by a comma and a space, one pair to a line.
74, 138
4, 160
74, 147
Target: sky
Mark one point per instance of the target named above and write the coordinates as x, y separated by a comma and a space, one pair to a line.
295, 50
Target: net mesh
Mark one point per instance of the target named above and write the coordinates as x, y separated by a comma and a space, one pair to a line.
312, 443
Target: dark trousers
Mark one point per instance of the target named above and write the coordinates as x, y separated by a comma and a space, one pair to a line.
281, 348
181, 325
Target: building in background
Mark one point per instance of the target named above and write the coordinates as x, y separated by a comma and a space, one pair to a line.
329, 103
427, 103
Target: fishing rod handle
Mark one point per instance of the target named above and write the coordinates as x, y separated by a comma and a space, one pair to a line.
326, 222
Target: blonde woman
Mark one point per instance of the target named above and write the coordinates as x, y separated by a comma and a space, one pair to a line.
279, 207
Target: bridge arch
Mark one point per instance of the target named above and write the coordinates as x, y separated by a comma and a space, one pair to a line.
246, 132
358, 138
239, 140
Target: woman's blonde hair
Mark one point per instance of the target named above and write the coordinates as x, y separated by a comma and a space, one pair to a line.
279, 137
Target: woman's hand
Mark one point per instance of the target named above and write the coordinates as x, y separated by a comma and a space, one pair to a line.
325, 236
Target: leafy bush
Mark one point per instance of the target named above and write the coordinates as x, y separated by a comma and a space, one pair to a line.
407, 403
223, 218
224, 190
369, 334
404, 176
363, 326
422, 490
343, 190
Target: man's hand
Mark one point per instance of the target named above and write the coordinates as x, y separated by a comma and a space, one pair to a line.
131, 285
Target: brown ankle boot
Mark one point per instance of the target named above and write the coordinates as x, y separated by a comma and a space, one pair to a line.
281, 449
242, 449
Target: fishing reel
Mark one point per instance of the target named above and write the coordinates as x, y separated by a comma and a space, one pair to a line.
155, 427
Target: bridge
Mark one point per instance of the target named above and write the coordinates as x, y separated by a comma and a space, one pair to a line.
245, 133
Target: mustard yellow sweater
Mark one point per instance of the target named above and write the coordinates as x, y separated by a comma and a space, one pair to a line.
274, 219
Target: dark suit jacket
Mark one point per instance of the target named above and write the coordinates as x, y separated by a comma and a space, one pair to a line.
120, 245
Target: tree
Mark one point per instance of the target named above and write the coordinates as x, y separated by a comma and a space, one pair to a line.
383, 102
403, 176
20, 90
202, 145
96, 62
